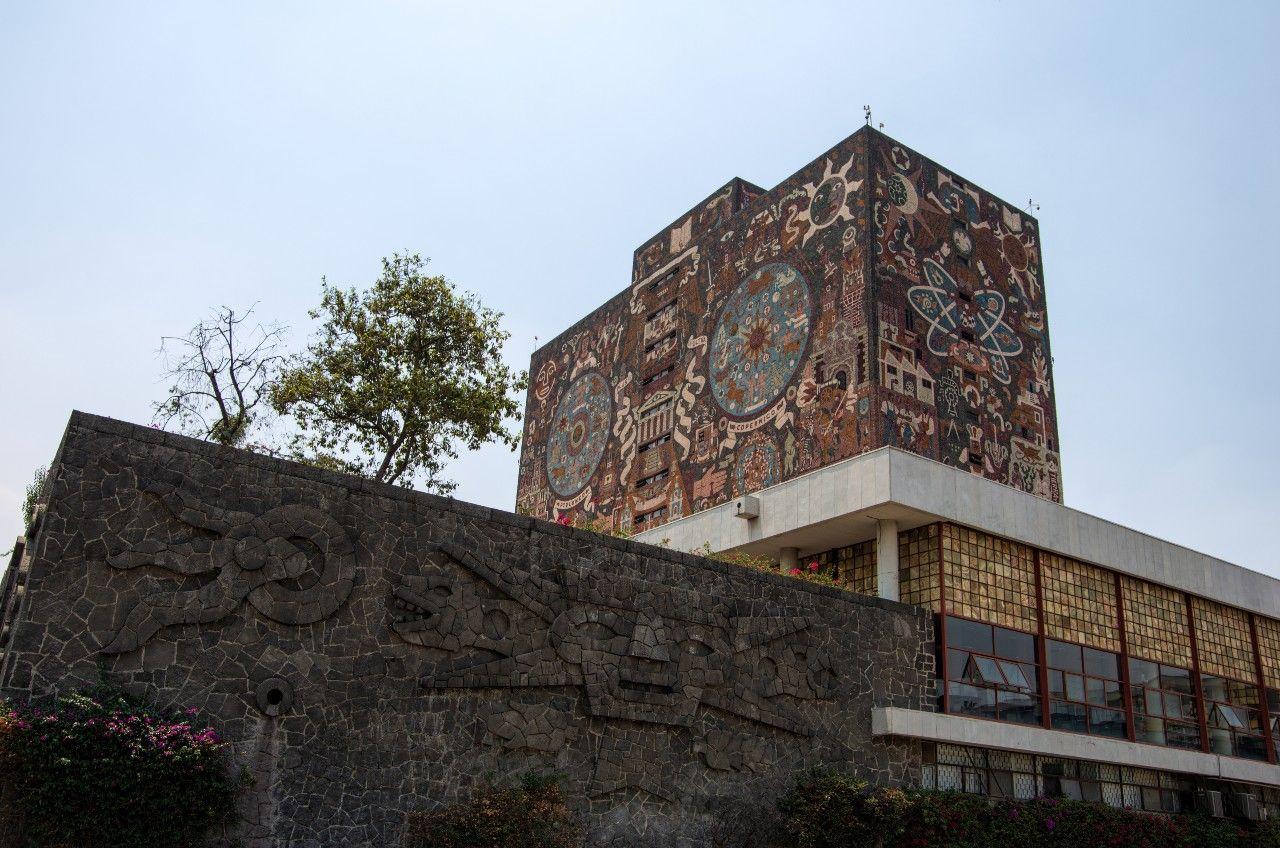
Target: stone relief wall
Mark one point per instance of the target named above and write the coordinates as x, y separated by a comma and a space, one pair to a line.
374, 651
873, 298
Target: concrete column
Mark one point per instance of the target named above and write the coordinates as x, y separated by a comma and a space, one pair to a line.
789, 558
887, 559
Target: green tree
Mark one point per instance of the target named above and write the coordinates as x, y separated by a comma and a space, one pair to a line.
398, 377
222, 370
37, 491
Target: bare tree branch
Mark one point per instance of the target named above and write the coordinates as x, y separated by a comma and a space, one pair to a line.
216, 386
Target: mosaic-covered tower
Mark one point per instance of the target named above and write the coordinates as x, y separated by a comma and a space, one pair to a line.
873, 298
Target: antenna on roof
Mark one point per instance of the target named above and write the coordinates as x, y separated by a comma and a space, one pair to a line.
1032, 206
866, 111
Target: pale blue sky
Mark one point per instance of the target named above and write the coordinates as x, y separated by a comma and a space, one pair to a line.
158, 159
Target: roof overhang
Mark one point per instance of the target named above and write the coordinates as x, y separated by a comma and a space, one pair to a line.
840, 504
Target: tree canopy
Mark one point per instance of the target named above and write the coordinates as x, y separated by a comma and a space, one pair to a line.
399, 377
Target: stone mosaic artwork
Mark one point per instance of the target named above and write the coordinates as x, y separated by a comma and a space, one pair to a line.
372, 651
873, 298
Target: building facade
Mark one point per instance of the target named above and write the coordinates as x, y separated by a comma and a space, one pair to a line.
1074, 656
874, 298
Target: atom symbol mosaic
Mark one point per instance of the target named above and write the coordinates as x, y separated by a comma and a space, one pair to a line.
936, 303
759, 339
579, 435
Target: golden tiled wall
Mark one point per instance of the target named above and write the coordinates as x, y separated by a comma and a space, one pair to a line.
918, 581
1223, 642
854, 566
1155, 622
1079, 602
988, 578
1269, 649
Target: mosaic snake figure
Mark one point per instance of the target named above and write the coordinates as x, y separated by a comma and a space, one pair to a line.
294, 564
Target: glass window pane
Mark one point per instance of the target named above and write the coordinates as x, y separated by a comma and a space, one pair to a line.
957, 664
1019, 707
1015, 645
1143, 673
988, 669
1075, 687
1174, 706
1067, 716
1175, 679
1250, 746
969, 634
1016, 675
1181, 735
1101, 663
1056, 684
1062, 655
1149, 730
1093, 691
1112, 694
1107, 722
1220, 741
972, 700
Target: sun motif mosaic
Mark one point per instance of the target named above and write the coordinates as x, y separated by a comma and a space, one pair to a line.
759, 339
938, 302
579, 434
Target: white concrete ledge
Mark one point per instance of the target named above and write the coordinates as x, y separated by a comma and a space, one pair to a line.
840, 503
959, 730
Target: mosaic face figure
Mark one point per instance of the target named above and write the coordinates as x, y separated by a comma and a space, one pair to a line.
759, 339
579, 434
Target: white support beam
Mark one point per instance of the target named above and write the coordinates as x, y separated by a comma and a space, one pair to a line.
887, 559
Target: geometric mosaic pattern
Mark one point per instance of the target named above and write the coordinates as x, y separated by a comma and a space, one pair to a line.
1079, 603
989, 579
1155, 622
1269, 649
1223, 642
919, 583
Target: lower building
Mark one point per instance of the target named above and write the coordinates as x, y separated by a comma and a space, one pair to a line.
1073, 656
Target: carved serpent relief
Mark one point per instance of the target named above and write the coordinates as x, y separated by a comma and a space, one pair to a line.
294, 564
641, 650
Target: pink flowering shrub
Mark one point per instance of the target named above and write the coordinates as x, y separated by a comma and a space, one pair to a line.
98, 769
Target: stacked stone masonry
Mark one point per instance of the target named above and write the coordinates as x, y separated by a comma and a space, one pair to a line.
373, 651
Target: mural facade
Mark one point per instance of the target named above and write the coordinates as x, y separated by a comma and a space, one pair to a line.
873, 298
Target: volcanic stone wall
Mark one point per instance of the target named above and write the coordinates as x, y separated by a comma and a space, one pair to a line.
873, 298
373, 651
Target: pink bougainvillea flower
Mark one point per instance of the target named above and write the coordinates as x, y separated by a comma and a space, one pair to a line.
796, 572
813, 566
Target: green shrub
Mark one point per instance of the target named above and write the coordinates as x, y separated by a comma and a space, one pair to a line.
99, 769
834, 811
531, 815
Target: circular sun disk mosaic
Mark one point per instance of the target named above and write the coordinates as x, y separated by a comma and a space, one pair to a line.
759, 339
579, 434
